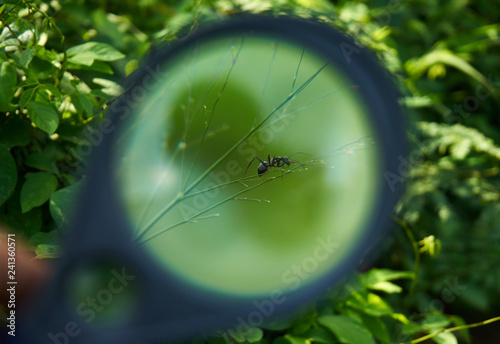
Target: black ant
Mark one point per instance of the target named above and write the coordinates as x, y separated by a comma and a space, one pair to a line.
276, 161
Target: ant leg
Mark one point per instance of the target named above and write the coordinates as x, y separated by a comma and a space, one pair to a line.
255, 157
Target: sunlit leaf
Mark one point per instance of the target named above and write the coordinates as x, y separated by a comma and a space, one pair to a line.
386, 286
86, 53
109, 87
445, 338
378, 278
44, 116
44, 251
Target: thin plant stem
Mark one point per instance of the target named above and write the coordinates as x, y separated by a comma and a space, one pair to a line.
453, 329
234, 196
284, 115
253, 130
275, 50
417, 255
298, 68
219, 95
180, 196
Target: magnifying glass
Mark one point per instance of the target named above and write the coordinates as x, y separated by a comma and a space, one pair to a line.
241, 173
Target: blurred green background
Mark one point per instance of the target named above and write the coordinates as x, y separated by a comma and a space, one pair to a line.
442, 266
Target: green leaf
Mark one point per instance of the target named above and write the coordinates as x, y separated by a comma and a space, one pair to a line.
86, 53
51, 89
417, 101
236, 335
42, 69
36, 190
445, 338
255, 335
8, 174
62, 203
8, 82
379, 275
82, 103
251, 335
48, 55
386, 286
434, 322
474, 39
346, 330
15, 132
110, 88
378, 279
304, 322
296, 340
44, 116
411, 328
28, 82
416, 67
50, 238
131, 66
41, 162
26, 57
26, 96
320, 335
44, 251
376, 327
97, 66
401, 318
369, 303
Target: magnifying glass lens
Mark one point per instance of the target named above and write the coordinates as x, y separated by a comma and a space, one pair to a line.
248, 163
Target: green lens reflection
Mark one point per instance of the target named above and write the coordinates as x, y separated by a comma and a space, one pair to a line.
182, 165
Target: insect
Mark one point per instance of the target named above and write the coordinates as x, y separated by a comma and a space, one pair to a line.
276, 161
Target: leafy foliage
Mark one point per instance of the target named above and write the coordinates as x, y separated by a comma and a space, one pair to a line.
49, 94
60, 64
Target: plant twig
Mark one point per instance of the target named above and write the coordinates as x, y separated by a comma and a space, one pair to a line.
219, 95
355, 146
417, 255
453, 329
181, 196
